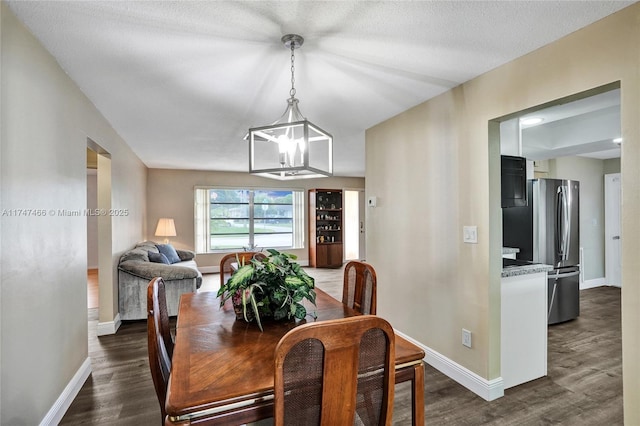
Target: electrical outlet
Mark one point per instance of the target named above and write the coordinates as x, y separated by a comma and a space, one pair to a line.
466, 338
470, 234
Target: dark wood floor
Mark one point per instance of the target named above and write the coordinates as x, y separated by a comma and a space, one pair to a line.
583, 386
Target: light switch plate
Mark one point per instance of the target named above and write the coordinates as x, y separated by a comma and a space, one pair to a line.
470, 234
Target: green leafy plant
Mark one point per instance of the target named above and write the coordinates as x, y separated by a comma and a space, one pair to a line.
270, 286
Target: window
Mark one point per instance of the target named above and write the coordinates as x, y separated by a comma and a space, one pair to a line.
235, 219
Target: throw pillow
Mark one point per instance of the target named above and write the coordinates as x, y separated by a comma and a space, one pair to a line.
158, 258
169, 251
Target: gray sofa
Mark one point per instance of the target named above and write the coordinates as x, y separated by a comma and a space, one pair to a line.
135, 270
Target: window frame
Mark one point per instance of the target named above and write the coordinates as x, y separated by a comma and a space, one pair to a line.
202, 217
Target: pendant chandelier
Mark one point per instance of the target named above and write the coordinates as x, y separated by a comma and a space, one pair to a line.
292, 147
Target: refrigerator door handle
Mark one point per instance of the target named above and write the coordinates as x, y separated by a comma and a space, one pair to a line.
563, 223
567, 222
564, 275
558, 236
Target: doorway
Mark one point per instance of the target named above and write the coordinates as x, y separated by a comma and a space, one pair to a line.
92, 231
577, 138
354, 229
108, 319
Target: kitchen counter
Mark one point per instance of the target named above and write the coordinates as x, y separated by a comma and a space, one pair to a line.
523, 268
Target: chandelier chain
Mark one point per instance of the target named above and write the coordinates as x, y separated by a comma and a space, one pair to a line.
292, 92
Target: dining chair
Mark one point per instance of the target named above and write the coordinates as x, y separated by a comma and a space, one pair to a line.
359, 289
334, 372
159, 339
226, 268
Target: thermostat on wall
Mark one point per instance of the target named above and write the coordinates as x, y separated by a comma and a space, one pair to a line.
372, 201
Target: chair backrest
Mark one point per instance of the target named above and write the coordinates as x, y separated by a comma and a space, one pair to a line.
159, 339
359, 290
227, 260
329, 372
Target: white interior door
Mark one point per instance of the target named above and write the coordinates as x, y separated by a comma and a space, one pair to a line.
613, 265
352, 211
362, 228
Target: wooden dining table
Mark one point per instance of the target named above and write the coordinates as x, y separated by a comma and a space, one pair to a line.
223, 369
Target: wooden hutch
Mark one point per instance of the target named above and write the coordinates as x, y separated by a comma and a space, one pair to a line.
326, 228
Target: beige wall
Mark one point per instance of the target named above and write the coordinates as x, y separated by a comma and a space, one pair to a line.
170, 193
612, 166
46, 121
437, 169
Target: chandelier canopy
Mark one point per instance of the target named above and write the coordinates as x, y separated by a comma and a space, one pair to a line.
292, 147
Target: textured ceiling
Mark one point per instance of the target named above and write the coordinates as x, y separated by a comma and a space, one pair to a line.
182, 81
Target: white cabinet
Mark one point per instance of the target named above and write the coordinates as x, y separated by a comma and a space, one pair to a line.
523, 328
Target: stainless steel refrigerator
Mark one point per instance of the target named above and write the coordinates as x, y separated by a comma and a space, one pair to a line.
547, 230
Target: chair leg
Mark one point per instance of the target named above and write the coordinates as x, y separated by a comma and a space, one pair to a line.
417, 395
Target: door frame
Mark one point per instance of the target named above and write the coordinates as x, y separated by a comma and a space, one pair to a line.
612, 246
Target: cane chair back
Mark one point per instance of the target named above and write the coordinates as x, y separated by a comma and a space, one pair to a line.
360, 287
336, 372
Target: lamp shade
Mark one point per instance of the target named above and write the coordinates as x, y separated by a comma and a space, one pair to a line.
165, 228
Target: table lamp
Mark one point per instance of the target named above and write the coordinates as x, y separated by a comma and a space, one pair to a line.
165, 228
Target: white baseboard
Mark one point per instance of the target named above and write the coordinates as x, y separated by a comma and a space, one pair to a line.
486, 389
597, 282
62, 404
109, 327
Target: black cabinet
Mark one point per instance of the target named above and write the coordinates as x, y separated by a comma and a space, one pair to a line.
514, 181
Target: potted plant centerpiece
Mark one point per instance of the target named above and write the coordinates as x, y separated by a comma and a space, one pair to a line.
272, 286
